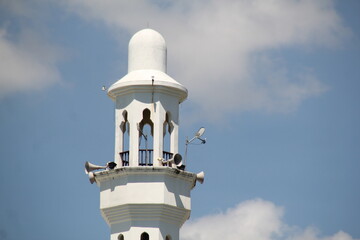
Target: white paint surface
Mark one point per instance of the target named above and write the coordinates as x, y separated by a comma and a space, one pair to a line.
152, 199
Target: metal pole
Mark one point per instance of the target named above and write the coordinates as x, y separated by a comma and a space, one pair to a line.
186, 148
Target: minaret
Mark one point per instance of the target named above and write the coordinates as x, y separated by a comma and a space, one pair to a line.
147, 195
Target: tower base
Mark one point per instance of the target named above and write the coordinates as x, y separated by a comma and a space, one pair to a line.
140, 201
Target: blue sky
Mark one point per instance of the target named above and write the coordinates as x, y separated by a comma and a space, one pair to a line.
275, 83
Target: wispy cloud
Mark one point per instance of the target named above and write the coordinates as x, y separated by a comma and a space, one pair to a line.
26, 65
220, 50
252, 220
28, 62
212, 46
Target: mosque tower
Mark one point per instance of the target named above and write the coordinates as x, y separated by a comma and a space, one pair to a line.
145, 192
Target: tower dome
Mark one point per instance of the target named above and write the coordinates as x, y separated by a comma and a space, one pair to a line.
147, 50
147, 67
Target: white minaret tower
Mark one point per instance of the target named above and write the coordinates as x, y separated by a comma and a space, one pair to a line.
147, 195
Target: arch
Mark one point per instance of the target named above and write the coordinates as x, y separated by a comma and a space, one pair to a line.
125, 129
121, 237
146, 120
144, 236
167, 129
145, 127
125, 139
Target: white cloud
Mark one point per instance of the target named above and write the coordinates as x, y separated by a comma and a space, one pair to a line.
251, 220
212, 45
26, 65
311, 233
27, 61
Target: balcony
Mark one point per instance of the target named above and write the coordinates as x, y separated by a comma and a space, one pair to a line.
145, 157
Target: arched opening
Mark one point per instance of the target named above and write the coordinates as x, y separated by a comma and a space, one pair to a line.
146, 129
168, 237
121, 237
125, 129
167, 129
144, 236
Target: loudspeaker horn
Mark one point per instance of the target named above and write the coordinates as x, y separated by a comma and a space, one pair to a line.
91, 167
200, 177
91, 177
176, 159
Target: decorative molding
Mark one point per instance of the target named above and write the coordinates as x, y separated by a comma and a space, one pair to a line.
146, 87
111, 174
145, 212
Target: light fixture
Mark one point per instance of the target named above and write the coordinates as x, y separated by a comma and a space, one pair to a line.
197, 135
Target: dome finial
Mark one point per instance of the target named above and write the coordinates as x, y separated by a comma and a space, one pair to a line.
147, 50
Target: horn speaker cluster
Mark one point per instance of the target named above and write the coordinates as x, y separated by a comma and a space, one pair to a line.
89, 168
176, 159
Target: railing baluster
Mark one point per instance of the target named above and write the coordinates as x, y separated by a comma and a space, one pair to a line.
124, 158
145, 157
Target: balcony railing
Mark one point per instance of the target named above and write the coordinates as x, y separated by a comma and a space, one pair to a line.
145, 157
124, 158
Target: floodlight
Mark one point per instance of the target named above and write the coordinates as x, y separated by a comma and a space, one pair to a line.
200, 132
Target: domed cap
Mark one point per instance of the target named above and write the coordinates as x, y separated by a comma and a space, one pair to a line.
147, 50
147, 68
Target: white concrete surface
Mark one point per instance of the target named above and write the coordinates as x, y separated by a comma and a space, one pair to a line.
155, 200
145, 199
